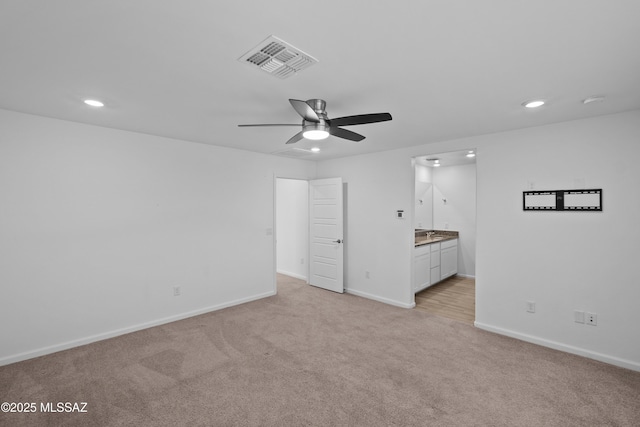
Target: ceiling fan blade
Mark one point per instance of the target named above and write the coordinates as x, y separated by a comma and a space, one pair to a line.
295, 138
346, 134
305, 110
268, 124
361, 119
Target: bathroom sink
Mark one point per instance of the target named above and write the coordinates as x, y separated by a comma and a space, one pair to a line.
430, 239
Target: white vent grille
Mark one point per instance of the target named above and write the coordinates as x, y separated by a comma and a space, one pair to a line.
294, 152
278, 58
258, 58
271, 65
286, 55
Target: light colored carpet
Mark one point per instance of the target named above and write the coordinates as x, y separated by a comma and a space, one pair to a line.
309, 357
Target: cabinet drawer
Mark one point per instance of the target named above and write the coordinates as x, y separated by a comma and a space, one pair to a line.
449, 243
435, 247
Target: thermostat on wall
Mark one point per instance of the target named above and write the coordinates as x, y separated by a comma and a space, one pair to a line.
400, 214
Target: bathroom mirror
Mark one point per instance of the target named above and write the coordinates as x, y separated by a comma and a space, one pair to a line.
425, 168
423, 214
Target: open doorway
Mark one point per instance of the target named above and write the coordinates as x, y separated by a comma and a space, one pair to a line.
310, 231
292, 229
445, 206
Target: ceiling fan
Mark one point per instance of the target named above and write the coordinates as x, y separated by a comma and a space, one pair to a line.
316, 124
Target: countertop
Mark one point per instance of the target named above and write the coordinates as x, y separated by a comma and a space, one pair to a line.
437, 236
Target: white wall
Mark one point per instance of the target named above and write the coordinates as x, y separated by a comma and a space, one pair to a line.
292, 227
564, 261
561, 260
97, 226
457, 184
376, 186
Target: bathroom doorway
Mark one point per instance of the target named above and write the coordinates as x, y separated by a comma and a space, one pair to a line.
445, 200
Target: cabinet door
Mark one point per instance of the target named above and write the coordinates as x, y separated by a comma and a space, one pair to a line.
435, 274
435, 254
448, 261
421, 271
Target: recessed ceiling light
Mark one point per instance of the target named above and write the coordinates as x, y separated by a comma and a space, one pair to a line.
591, 99
93, 103
471, 154
315, 149
533, 104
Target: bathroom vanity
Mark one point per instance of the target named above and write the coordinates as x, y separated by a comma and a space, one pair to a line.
435, 257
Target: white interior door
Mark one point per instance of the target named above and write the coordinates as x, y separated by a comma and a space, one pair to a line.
326, 239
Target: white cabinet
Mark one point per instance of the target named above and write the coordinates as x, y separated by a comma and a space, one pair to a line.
421, 267
433, 263
448, 258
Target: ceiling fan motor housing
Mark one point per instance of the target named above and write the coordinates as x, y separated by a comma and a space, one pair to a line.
307, 126
318, 105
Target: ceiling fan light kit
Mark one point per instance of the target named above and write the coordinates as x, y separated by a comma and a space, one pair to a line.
316, 124
315, 134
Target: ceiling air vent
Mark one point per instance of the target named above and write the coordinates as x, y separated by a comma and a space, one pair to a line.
294, 152
277, 58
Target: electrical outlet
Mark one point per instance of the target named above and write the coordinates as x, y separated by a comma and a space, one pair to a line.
591, 319
531, 306
176, 291
302, 261
578, 316
367, 275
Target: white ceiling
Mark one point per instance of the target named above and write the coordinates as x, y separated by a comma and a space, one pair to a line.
443, 69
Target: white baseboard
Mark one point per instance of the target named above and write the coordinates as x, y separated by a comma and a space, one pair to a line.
111, 334
612, 360
379, 298
288, 273
468, 276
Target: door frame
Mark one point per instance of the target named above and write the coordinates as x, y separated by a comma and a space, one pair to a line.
413, 167
308, 231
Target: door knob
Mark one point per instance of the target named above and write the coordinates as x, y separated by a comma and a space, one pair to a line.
337, 241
